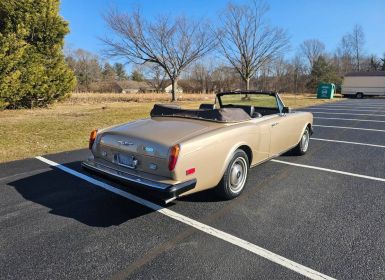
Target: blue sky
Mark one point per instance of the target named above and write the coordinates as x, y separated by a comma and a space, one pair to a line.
326, 20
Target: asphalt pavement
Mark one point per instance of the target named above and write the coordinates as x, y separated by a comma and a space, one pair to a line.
324, 211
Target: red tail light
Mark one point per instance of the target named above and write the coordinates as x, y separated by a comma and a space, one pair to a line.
174, 153
92, 138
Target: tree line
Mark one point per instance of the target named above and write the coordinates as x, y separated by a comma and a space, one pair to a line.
242, 51
311, 65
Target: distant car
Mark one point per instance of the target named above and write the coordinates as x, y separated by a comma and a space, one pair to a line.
178, 151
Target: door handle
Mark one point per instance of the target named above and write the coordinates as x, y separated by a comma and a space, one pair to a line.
274, 124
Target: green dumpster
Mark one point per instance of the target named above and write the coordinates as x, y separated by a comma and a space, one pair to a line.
326, 91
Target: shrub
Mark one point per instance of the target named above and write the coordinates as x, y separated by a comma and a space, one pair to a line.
33, 72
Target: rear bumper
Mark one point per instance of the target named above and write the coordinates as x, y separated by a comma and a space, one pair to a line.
164, 191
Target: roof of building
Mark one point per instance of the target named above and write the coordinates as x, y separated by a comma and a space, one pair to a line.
365, 74
129, 84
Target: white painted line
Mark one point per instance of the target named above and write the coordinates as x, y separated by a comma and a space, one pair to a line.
343, 119
355, 114
327, 109
349, 127
356, 104
330, 170
348, 142
303, 270
354, 107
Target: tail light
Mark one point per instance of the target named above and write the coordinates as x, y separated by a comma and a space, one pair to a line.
92, 138
174, 153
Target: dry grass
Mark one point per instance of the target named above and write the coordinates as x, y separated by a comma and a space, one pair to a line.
97, 98
66, 126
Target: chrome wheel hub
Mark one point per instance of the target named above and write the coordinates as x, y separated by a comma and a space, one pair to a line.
238, 175
305, 141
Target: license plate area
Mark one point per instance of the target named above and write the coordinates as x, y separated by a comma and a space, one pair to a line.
126, 161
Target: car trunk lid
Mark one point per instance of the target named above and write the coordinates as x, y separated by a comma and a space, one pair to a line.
144, 144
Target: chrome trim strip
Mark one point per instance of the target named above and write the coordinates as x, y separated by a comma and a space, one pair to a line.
98, 167
164, 189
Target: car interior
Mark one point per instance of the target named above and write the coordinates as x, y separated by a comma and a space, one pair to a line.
252, 111
225, 112
209, 114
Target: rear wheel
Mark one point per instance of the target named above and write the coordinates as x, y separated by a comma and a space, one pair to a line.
235, 177
303, 144
359, 95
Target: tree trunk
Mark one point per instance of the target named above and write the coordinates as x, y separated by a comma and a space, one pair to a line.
247, 83
173, 89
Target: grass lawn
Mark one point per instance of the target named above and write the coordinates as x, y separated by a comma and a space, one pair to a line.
66, 126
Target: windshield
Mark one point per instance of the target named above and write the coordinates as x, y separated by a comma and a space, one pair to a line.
256, 100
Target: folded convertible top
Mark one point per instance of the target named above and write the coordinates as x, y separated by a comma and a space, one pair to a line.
217, 115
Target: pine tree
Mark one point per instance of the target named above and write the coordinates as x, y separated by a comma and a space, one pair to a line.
322, 72
136, 75
108, 73
120, 72
33, 71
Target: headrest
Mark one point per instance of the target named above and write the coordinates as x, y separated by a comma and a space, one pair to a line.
205, 106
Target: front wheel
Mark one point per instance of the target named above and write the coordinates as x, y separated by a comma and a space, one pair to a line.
235, 177
303, 144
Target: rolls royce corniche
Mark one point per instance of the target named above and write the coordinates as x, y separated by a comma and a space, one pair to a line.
176, 152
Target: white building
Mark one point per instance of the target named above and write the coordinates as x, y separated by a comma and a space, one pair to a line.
168, 89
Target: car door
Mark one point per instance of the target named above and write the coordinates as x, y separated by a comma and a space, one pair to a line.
283, 130
283, 134
260, 140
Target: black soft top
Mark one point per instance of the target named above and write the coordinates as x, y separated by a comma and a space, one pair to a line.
217, 115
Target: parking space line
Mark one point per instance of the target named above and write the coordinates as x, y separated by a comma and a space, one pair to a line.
330, 170
327, 109
348, 142
343, 119
356, 105
353, 107
349, 127
303, 270
356, 114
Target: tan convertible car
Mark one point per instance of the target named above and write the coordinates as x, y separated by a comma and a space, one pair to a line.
177, 151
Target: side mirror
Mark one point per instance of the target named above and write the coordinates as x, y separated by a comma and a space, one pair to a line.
286, 110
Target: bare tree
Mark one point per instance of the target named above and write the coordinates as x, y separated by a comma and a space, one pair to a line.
350, 51
201, 73
373, 63
246, 40
224, 78
312, 50
344, 55
156, 75
86, 67
298, 72
357, 41
172, 44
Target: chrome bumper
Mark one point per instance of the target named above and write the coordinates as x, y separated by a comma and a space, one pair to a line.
168, 192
